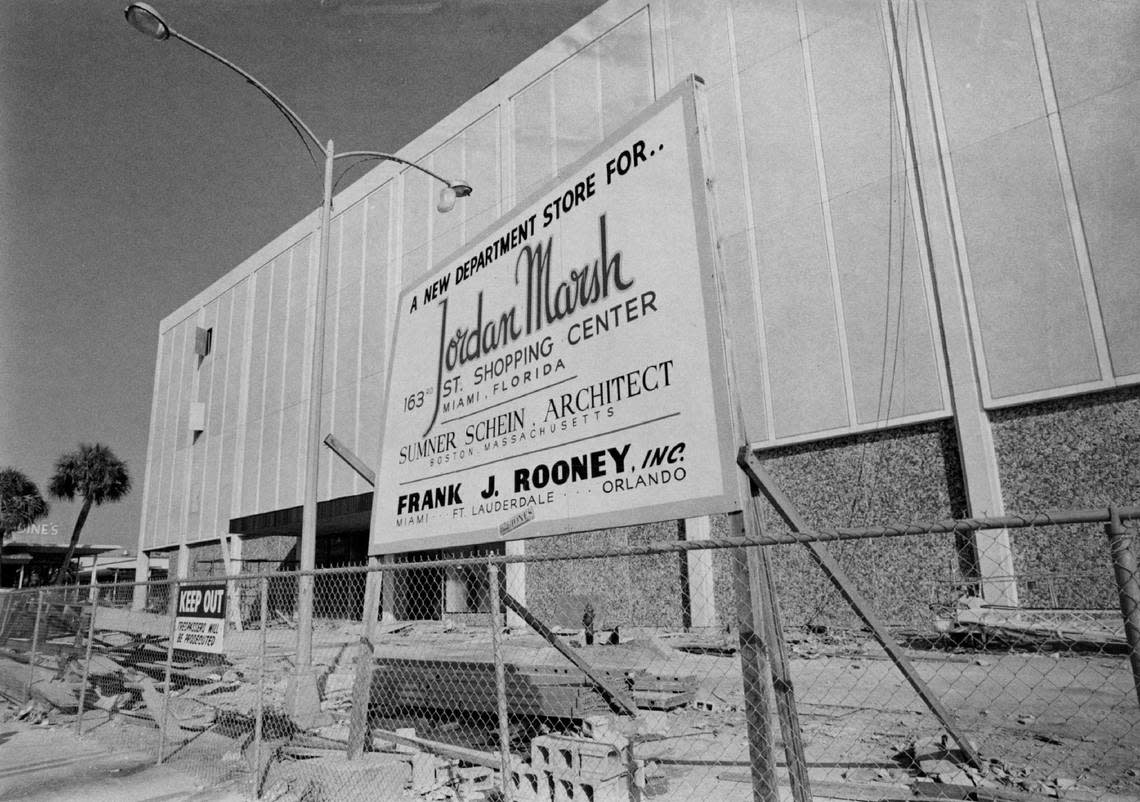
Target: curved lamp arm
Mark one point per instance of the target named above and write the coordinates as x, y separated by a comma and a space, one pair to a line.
461, 187
145, 19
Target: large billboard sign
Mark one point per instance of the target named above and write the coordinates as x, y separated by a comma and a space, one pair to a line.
566, 371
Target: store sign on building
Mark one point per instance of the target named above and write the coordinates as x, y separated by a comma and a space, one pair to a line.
200, 624
566, 372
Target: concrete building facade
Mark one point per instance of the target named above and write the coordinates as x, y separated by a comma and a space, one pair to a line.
926, 221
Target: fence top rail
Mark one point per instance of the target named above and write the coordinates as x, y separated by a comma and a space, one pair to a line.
818, 535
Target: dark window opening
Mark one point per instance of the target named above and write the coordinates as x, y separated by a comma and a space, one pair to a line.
203, 343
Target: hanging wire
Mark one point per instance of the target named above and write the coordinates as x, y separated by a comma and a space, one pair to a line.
888, 378
900, 305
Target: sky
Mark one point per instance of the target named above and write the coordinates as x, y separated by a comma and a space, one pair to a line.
134, 173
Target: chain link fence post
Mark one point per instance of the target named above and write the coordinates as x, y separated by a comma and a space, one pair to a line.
87, 660
172, 606
786, 710
259, 710
500, 682
755, 672
34, 644
1128, 585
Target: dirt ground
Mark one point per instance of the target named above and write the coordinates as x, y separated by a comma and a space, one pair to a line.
1062, 724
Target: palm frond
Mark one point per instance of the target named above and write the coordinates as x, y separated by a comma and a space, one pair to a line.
20, 501
91, 472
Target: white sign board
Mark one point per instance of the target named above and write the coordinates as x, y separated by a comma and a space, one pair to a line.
200, 623
565, 372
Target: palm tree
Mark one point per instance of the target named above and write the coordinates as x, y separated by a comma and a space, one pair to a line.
20, 503
96, 474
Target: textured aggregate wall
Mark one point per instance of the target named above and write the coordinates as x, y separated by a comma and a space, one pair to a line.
206, 558
1076, 452
170, 554
275, 553
901, 476
624, 591
658, 581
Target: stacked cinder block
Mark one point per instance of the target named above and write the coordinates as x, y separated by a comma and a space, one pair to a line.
530, 785
568, 769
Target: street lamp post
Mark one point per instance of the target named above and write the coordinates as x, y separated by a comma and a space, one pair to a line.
145, 19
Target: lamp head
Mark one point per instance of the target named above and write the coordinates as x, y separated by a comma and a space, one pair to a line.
144, 19
453, 190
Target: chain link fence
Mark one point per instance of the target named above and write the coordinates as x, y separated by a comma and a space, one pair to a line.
459, 687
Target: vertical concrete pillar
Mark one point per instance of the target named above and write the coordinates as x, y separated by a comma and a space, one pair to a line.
516, 580
933, 192
142, 574
229, 544
236, 552
376, 592
183, 569
699, 567
94, 577
387, 591
454, 590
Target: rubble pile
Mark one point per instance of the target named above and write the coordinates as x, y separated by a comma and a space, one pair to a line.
684, 726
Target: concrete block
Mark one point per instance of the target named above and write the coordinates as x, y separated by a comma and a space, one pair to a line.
446, 772
598, 724
541, 753
606, 728
424, 772
654, 722
565, 756
475, 778
530, 785
569, 790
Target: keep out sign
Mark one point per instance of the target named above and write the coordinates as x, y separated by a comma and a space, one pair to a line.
200, 623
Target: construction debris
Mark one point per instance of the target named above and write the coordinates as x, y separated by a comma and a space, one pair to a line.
581, 747
34, 712
537, 690
1100, 629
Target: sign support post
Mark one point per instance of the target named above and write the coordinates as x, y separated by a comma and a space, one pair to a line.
161, 718
781, 675
763, 653
755, 669
505, 758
